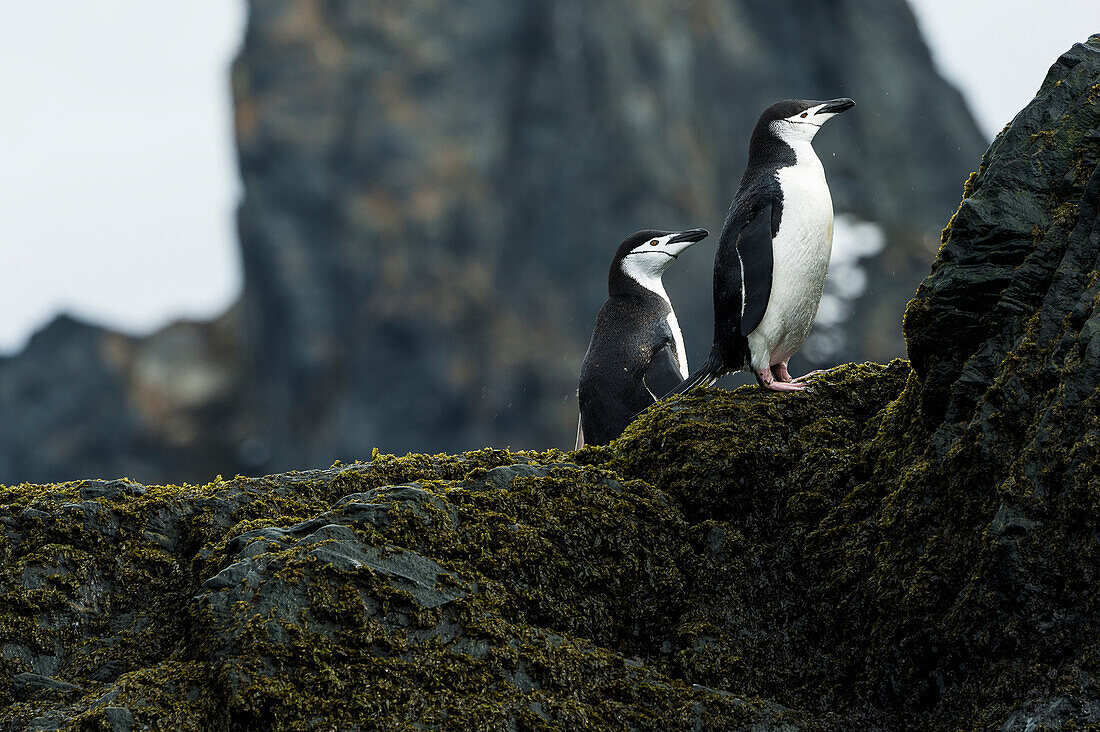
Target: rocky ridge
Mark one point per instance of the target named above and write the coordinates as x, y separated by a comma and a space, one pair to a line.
898, 547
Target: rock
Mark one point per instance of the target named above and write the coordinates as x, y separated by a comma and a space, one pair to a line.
26, 685
350, 588
525, 572
109, 488
1021, 245
120, 719
48, 394
431, 199
1055, 714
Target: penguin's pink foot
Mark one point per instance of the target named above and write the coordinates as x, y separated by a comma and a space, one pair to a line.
803, 377
781, 374
767, 379
785, 386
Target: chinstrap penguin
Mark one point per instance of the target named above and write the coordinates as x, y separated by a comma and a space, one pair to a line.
773, 255
636, 355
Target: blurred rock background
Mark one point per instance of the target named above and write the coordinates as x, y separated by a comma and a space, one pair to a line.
432, 194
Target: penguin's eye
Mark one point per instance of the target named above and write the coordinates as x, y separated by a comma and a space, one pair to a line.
653, 243
803, 114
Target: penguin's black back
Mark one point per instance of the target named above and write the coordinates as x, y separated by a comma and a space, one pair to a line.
753, 217
631, 327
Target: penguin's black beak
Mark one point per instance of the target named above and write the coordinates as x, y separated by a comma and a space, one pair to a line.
836, 106
692, 235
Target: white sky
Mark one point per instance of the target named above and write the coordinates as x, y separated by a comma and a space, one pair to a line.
998, 51
118, 178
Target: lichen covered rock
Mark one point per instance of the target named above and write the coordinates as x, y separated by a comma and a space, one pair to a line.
488, 590
895, 548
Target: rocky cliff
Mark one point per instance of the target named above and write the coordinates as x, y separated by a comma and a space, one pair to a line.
432, 196
899, 547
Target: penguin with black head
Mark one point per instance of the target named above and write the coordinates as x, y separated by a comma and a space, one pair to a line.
773, 255
636, 355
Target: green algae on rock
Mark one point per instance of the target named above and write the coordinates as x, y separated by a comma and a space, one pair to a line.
523, 591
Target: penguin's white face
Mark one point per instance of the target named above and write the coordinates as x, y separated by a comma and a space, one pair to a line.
803, 125
650, 260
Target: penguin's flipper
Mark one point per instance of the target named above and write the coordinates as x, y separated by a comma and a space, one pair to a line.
580, 434
663, 375
754, 248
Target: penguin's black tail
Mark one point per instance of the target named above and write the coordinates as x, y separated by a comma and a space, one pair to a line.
705, 375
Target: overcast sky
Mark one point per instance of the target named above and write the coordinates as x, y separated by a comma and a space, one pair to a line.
998, 51
118, 180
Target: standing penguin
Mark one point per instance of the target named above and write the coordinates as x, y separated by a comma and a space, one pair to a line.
772, 258
637, 352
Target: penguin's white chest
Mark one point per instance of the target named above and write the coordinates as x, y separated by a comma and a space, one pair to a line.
800, 261
678, 342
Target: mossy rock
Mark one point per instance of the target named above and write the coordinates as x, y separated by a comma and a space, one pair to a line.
490, 590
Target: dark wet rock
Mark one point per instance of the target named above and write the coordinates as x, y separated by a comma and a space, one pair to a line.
431, 198
27, 685
109, 488
1055, 714
1019, 256
119, 719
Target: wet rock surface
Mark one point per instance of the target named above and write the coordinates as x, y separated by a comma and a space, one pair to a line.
896, 547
